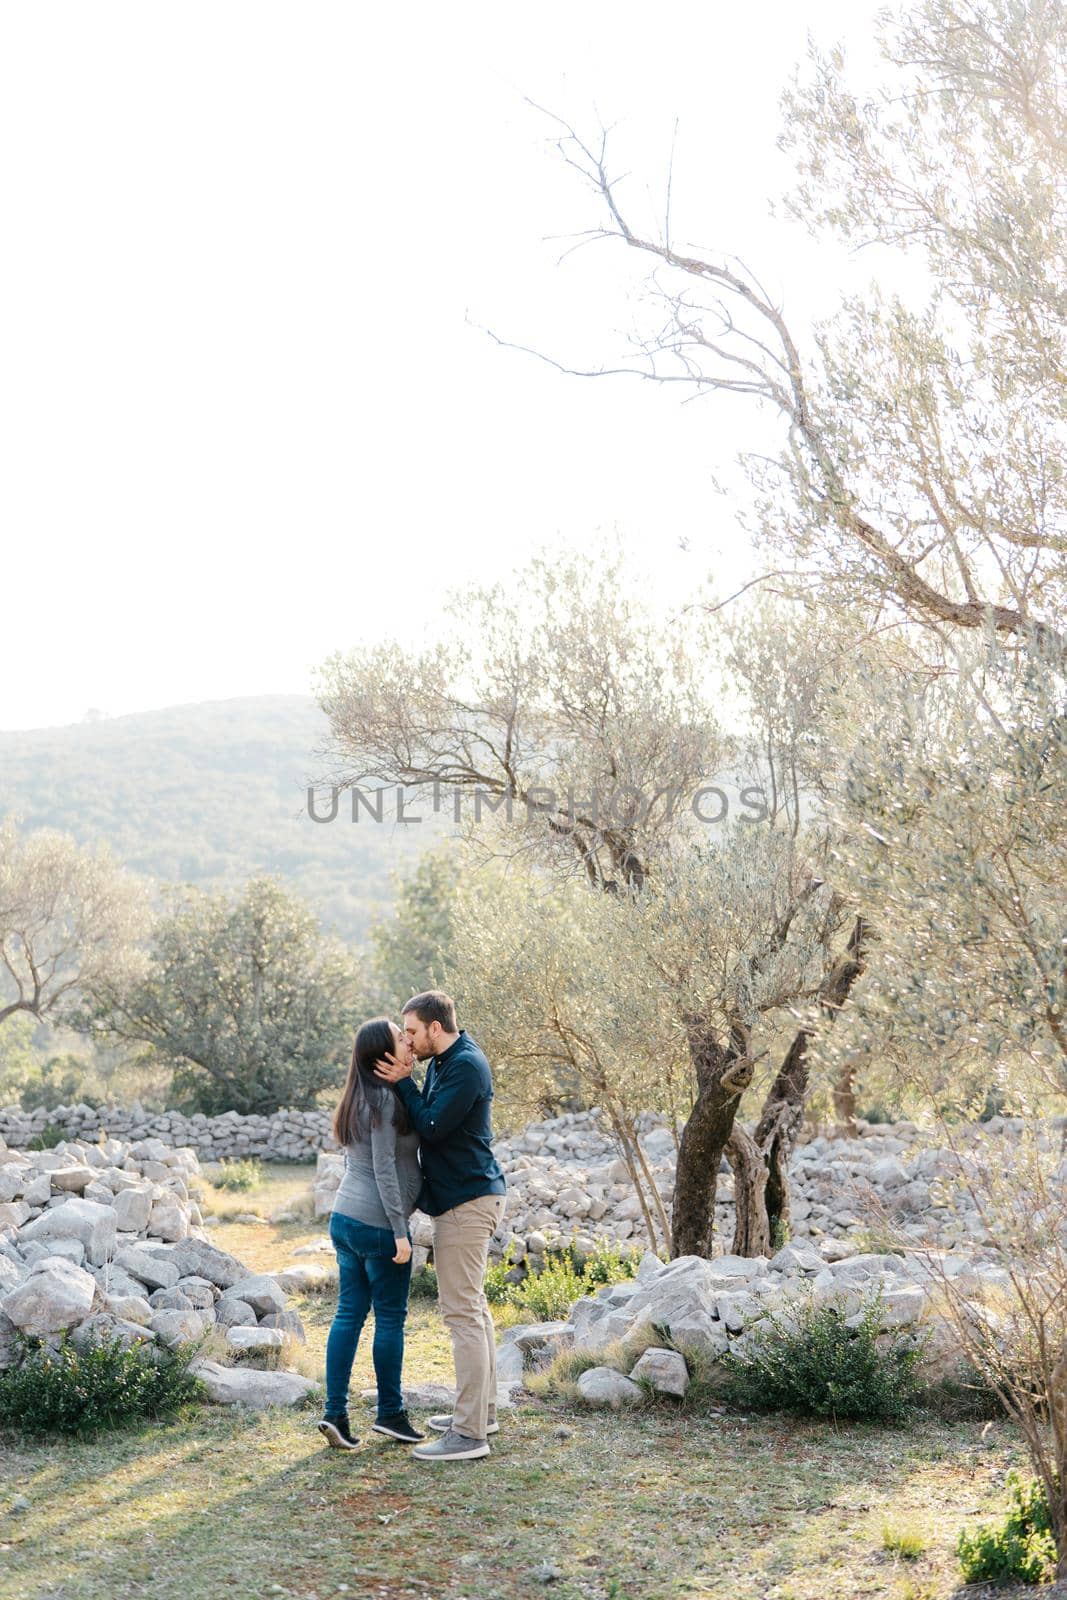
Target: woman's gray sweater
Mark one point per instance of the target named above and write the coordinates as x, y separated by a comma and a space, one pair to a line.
382, 1175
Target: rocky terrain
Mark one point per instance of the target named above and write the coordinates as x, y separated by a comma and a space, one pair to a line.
566, 1181
107, 1235
107, 1238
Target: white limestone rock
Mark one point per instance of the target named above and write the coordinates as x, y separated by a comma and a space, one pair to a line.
54, 1295
76, 1218
155, 1272
665, 1370
248, 1386
255, 1338
603, 1386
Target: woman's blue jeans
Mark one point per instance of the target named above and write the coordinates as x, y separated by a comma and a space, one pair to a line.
369, 1280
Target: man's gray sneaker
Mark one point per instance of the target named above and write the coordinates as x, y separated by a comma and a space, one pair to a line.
442, 1423
452, 1447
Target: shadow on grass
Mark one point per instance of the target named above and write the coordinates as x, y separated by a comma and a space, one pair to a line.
646, 1507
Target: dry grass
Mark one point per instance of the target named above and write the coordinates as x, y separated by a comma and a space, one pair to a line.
654, 1505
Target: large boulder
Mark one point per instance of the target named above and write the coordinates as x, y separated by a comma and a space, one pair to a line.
233, 1312
173, 1328
168, 1219
603, 1386
288, 1321
306, 1277
665, 1370
133, 1207
55, 1295
12, 1273
262, 1293
155, 1272
201, 1259
255, 1338
72, 1180
248, 1386
86, 1220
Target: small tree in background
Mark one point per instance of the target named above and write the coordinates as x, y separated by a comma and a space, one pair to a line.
707, 967
71, 921
550, 705
411, 947
252, 1004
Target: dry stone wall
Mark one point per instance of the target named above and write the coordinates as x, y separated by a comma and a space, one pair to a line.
283, 1136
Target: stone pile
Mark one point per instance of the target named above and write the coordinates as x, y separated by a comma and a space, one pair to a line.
727, 1303
566, 1180
108, 1239
283, 1136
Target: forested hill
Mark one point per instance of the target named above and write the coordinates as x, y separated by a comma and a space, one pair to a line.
211, 794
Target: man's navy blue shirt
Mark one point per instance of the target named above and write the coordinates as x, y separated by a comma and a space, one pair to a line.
451, 1116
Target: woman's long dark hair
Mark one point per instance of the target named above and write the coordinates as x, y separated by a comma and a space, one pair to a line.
363, 1098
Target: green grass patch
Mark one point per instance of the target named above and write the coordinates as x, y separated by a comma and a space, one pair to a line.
239, 1175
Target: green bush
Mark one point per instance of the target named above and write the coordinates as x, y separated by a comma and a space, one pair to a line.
567, 1275
47, 1139
423, 1284
607, 1264
548, 1295
1021, 1549
80, 1389
813, 1365
496, 1285
243, 1174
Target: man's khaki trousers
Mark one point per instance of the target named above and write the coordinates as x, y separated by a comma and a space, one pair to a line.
461, 1253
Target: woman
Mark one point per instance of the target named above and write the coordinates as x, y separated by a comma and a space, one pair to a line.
369, 1230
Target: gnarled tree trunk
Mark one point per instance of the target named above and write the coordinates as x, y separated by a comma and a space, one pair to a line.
761, 1202
723, 1073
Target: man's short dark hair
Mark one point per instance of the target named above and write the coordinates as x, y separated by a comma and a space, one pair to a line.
434, 1006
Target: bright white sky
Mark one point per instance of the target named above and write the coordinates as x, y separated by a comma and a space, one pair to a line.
247, 418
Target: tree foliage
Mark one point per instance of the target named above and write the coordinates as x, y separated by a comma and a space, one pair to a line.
250, 1002
70, 922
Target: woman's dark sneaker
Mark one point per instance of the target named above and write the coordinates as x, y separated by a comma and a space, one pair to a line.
398, 1427
336, 1432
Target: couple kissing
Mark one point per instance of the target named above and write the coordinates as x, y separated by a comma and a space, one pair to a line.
428, 1149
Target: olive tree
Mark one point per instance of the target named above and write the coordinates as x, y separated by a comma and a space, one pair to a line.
952, 827
921, 475
559, 705
252, 1005
676, 997
71, 921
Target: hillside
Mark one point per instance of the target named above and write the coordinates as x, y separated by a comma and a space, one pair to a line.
211, 794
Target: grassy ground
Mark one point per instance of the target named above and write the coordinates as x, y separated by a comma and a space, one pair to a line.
653, 1506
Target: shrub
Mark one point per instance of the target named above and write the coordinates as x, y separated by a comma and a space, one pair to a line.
548, 1295
47, 1139
496, 1285
245, 1173
423, 1284
813, 1365
1020, 1550
97, 1384
566, 1276
607, 1264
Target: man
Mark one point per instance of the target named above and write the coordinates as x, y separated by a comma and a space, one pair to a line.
463, 1190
